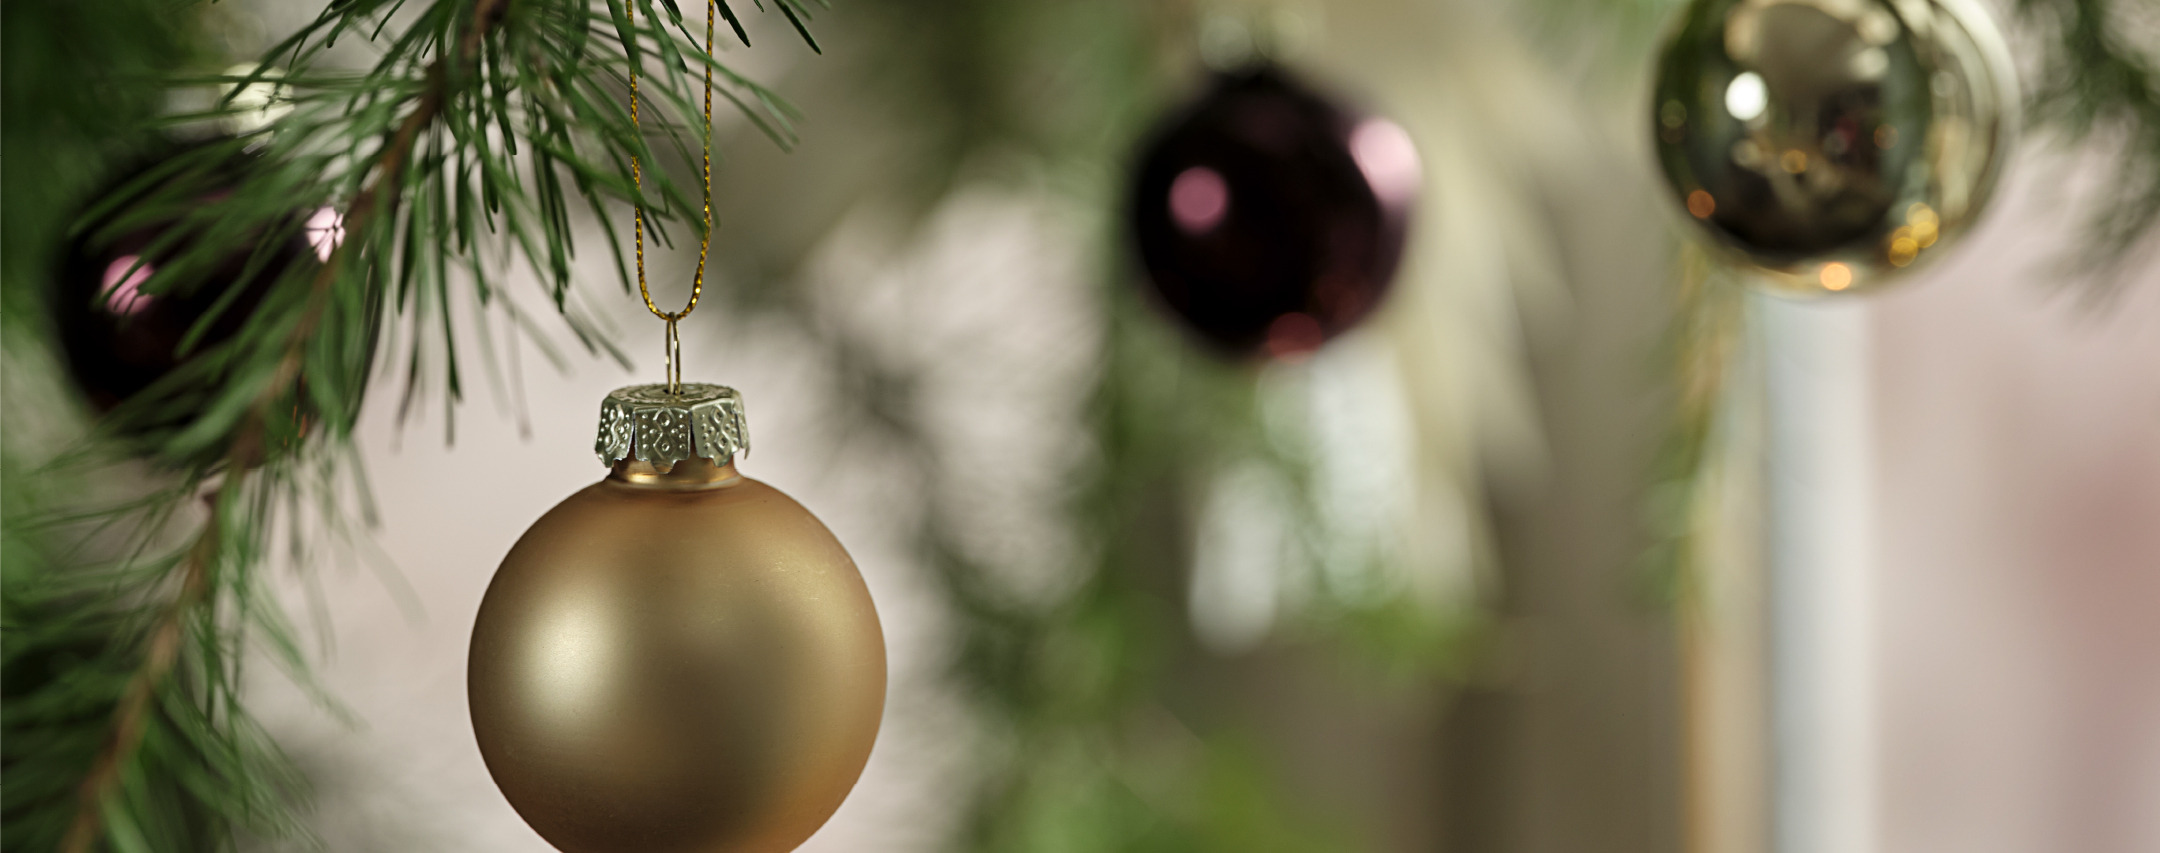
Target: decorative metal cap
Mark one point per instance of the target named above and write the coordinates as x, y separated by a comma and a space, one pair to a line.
651, 424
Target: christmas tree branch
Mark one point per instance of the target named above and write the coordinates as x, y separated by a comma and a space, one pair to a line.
130, 718
247, 449
1703, 343
2095, 80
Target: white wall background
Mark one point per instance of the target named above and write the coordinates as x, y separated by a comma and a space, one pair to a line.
2018, 606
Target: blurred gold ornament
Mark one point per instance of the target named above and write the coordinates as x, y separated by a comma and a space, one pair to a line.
676, 659
1827, 142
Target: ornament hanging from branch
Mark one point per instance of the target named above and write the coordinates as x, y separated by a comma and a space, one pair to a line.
677, 657
133, 301
1830, 143
1270, 218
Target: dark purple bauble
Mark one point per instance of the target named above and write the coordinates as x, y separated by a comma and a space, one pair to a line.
1269, 217
117, 337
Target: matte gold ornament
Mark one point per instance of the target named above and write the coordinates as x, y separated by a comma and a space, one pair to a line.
1828, 142
676, 659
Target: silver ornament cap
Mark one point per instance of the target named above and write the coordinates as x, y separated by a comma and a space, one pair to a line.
649, 423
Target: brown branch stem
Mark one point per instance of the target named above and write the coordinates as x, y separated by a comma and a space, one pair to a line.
162, 652
131, 715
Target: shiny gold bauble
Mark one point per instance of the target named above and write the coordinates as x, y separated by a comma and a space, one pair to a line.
1828, 142
676, 662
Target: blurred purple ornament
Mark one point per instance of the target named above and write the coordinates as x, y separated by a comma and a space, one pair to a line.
1271, 218
119, 339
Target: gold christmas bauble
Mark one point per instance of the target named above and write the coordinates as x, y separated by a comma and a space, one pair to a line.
676, 659
1829, 142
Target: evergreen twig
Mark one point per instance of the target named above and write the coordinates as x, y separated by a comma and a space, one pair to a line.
246, 452
2097, 81
132, 714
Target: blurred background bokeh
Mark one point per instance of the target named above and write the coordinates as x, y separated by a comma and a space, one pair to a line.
1577, 543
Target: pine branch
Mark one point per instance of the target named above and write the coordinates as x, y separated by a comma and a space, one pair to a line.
1702, 343
131, 716
2097, 80
246, 453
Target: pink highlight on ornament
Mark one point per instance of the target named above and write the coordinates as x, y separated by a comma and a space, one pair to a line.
1294, 336
1198, 199
1389, 159
124, 278
325, 230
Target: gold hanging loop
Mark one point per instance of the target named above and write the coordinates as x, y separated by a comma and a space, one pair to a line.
637, 224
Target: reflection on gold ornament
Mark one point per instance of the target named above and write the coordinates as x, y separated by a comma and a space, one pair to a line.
1827, 142
676, 659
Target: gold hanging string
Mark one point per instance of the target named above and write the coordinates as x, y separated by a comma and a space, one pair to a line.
637, 224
